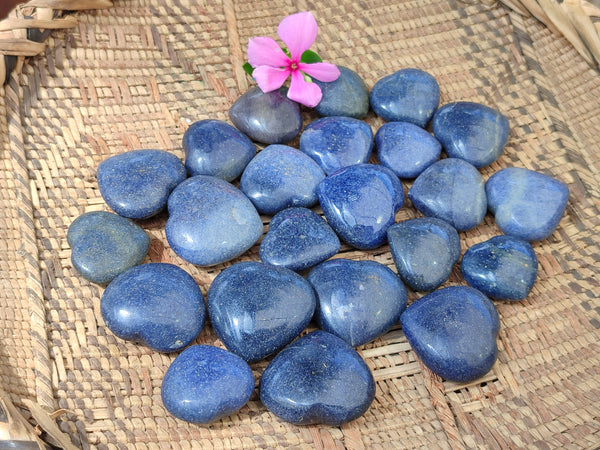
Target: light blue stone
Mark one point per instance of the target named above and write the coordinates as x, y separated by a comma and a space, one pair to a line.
347, 96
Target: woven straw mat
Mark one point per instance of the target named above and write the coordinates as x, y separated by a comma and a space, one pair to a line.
137, 74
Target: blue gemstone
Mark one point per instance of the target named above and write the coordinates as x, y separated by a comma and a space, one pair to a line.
280, 177
211, 221
502, 267
256, 309
347, 96
104, 245
409, 95
424, 250
157, 304
215, 148
318, 379
204, 384
357, 301
269, 118
336, 142
406, 149
525, 203
453, 331
298, 239
137, 184
452, 190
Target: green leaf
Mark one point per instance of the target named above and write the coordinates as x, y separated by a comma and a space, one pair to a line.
307, 78
287, 52
248, 68
309, 57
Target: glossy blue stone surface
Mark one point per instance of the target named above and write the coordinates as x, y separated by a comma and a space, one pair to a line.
215, 148
279, 177
104, 245
137, 184
408, 95
453, 331
318, 379
158, 305
360, 203
256, 309
357, 301
336, 142
452, 190
205, 383
270, 118
298, 239
503, 267
424, 251
347, 96
211, 221
525, 203
471, 131
406, 149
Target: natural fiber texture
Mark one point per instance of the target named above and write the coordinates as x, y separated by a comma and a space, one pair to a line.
137, 74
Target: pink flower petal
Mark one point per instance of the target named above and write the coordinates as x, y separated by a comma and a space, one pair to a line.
264, 51
269, 78
309, 94
321, 71
299, 32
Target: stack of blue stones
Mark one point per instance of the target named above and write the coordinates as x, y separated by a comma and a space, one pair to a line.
259, 309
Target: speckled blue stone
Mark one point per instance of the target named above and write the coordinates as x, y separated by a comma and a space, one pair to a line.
211, 221
347, 96
270, 118
215, 148
137, 184
158, 305
104, 245
298, 239
360, 203
406, 149
471, 131
503, 267
453, 331
525, 203
318, 379
279, 177
409, 95
256, 309
424, 251
336, 142
452, 190
205, 383
357, 301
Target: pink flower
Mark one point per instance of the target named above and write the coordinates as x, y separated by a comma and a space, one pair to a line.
273, 66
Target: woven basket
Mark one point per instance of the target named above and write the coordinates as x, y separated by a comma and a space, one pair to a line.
136, 74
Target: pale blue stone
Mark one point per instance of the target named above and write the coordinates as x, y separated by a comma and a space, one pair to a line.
347, 96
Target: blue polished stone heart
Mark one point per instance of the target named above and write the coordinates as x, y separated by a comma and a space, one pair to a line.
347, 96
357, 301
256, 309
318, 379
453, 331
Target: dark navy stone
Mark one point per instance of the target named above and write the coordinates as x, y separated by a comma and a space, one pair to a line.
205, 383
406, 149
270, 118
525, 203
357, 301
158, 305
360, 203
298, 239
471, 131
336, 142
137, 184
256, 309
215, 148
104, 245
318, 379
453, 331
211, 221
409, 95
280, 177
424, 250
347, 96
452, 190
502, 267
